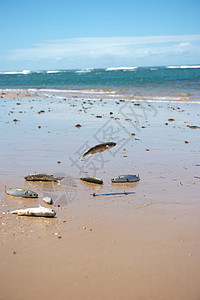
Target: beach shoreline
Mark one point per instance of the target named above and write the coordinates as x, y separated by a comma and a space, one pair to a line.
141, 246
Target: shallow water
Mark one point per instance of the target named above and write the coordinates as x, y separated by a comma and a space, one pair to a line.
150, 83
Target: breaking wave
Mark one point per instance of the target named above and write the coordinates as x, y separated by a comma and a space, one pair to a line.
183, 67
121, 68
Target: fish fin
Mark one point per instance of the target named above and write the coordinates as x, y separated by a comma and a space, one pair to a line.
41, 206
20, 213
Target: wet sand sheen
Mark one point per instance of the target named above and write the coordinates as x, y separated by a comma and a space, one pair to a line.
140, 246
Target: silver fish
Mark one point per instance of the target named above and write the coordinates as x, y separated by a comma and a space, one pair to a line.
21, 193
99, 148
125, 178
92, 179
40, 211
42, 177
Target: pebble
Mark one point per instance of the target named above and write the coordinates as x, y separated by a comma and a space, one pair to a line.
47, 200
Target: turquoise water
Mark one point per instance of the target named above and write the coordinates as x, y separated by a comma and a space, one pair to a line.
149, 81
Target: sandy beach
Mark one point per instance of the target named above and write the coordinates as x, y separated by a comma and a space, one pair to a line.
135, 246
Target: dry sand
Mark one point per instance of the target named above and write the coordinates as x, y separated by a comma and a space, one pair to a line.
140, 246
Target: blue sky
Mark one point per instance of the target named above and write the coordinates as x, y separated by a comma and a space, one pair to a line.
58, 34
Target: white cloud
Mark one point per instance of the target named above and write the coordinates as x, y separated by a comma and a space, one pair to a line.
101, 50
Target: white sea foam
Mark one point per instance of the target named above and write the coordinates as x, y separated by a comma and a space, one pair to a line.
87, 70
183, 67
52, 72
121, 68
24, 72
12, 73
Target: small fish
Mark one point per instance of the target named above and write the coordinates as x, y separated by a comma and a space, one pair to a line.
99, 148
40, 211
42, 177
125, 178
193, 127
21, 193
92, 179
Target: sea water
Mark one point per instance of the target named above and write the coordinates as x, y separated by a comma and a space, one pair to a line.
168, 83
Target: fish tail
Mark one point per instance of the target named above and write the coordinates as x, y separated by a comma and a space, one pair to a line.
11, 212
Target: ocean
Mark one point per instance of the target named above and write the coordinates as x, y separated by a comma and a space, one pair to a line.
168, 83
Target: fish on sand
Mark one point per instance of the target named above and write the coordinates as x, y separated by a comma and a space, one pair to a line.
18, 192
125, 178
43, 177
40, 211
92, 179
99, 148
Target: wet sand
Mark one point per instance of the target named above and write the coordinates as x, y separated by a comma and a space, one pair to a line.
138, 246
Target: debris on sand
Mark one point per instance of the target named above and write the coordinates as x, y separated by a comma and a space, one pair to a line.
113, 194
92, 179
99, 148
41, 111
42, 177
125, 178
18, 192
47, 200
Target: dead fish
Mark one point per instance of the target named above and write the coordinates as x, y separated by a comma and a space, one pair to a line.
193, 127
21, 193
92, 179
42, 177
125, 178
40, 211
99, 148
